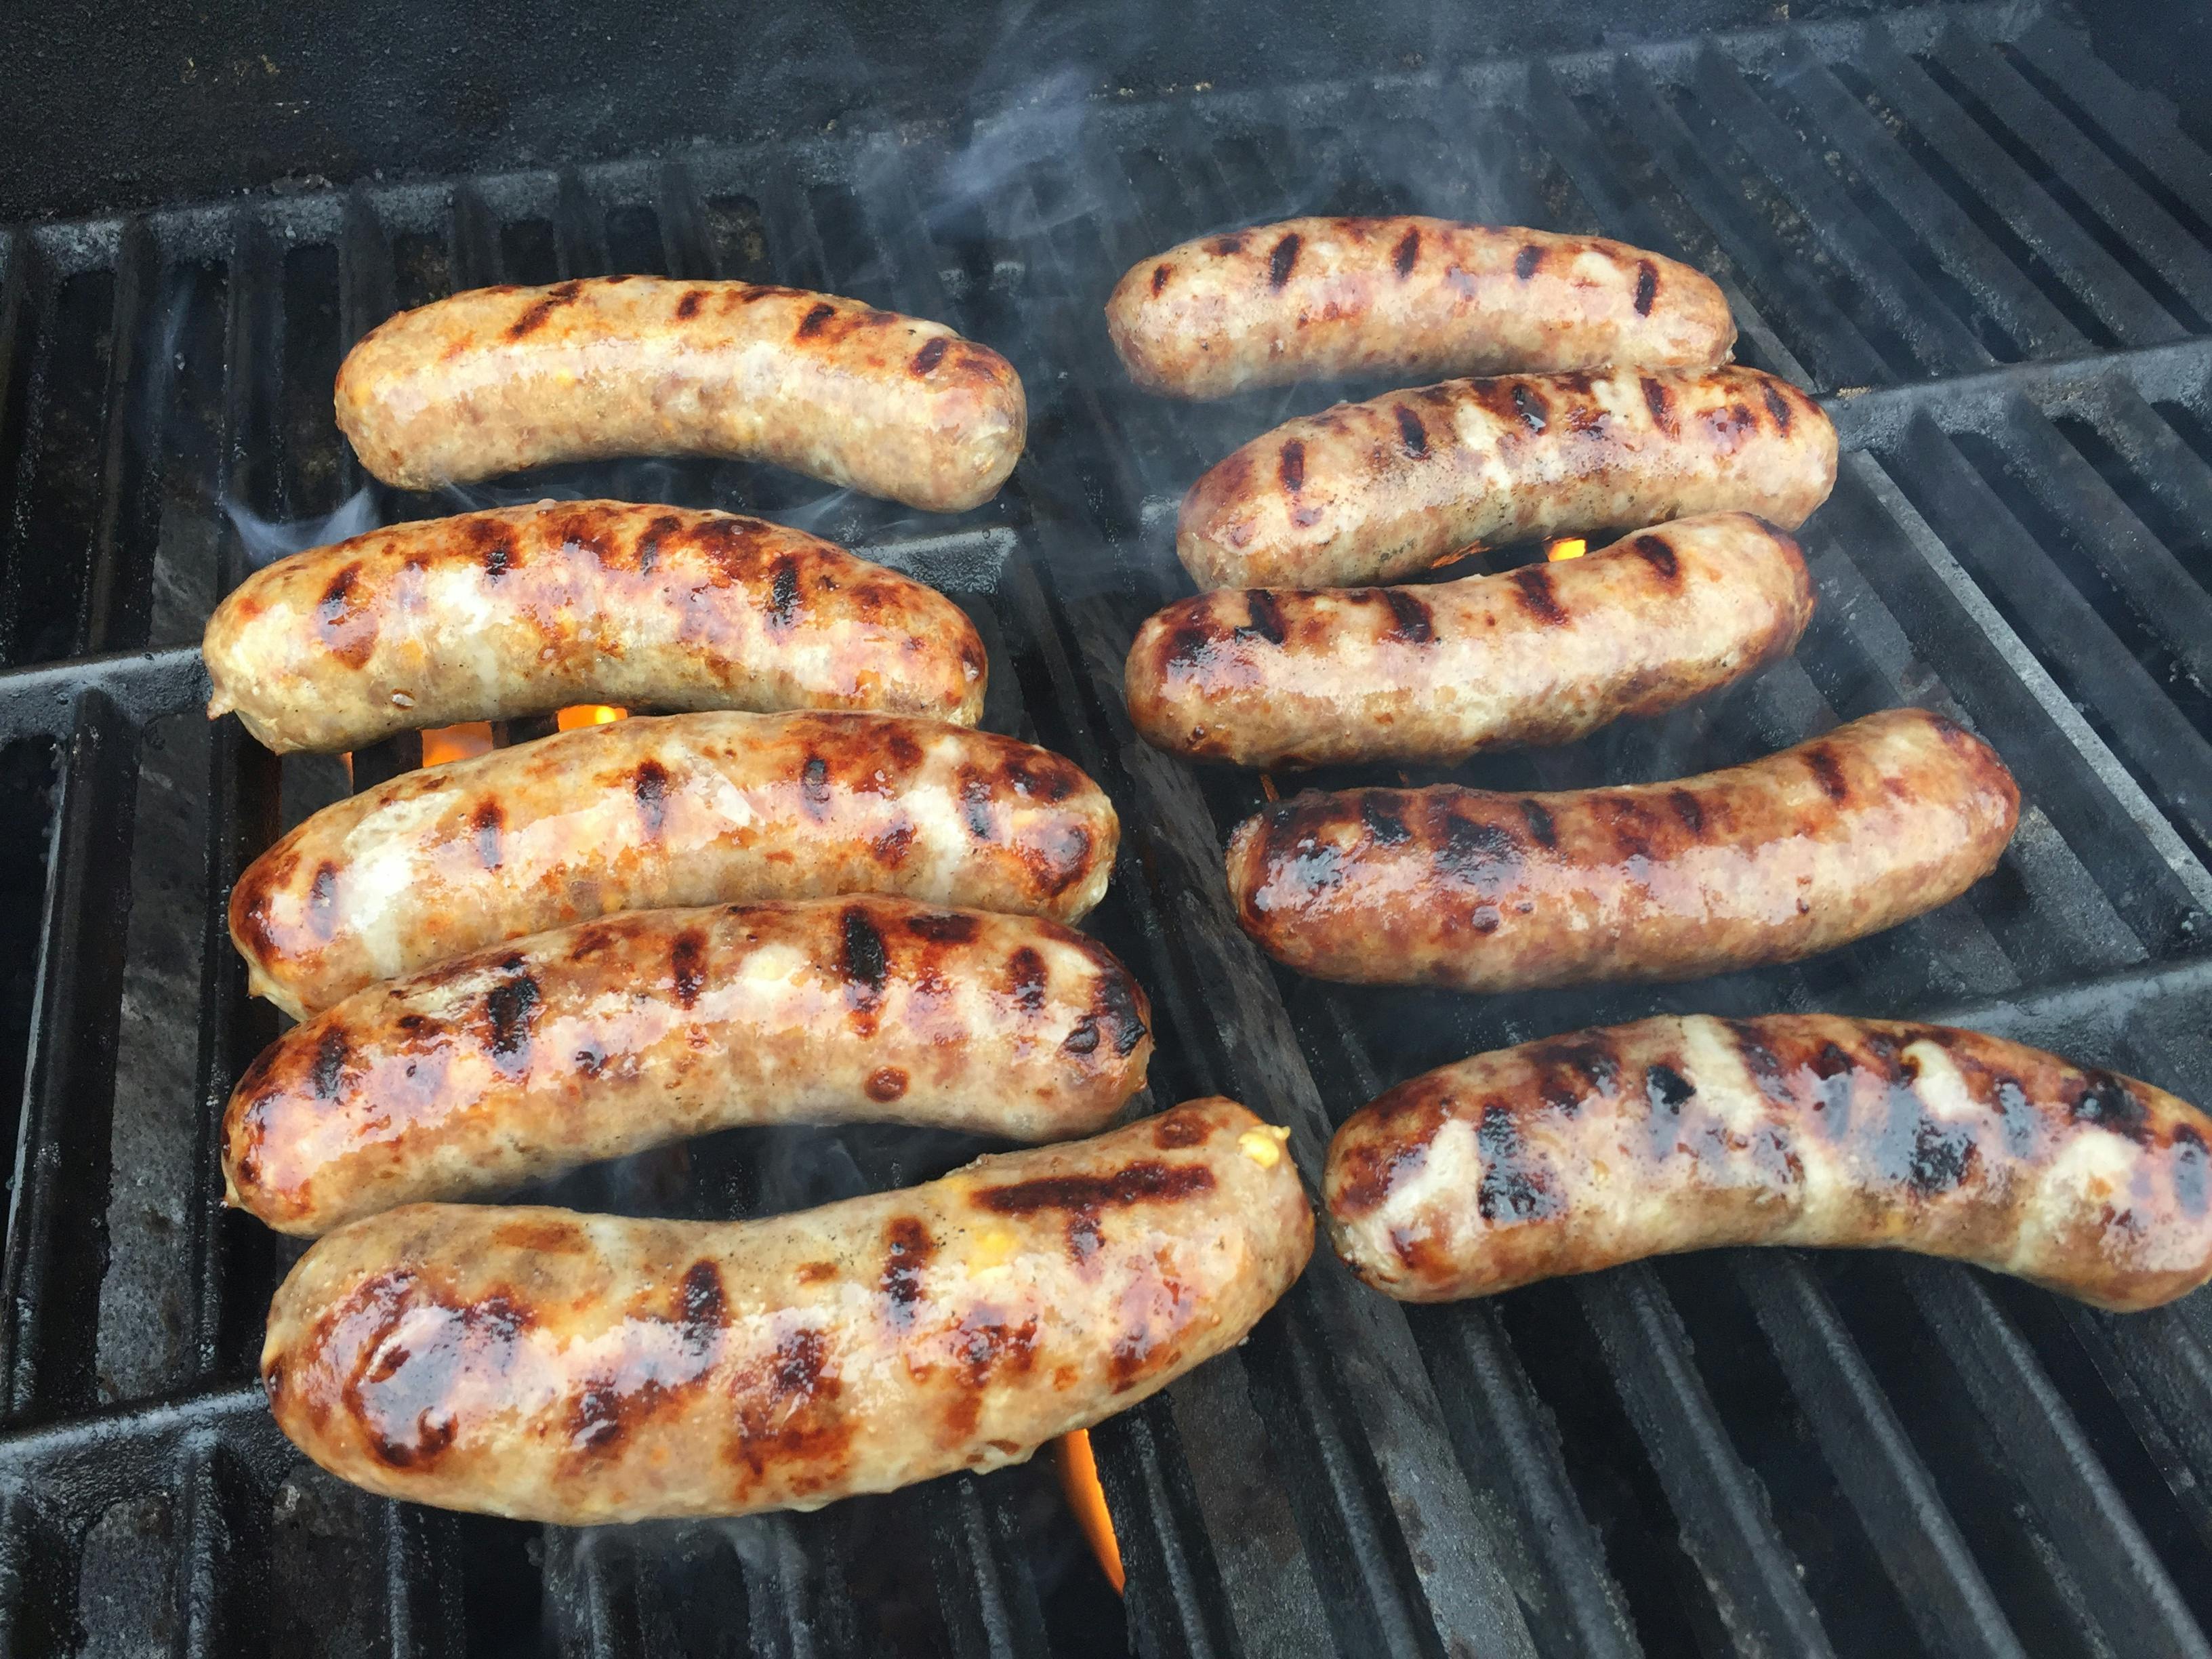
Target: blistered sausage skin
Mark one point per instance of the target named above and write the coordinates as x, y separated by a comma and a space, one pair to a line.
653, 814
1375, 491
1324, 299
1806, 850
579, 1368
1598, 1147
1543, 654
604, 1039
498, 379
519, 611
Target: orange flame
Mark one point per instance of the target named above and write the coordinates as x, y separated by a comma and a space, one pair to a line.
1568, 547
453, 743
588, 713
1079, 1478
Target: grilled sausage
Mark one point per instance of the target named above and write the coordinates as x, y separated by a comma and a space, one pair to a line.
1544, 655
645, 814
1375, 491
1598, 1147
501, 614
1799, 853
577, 1368
502, 379
614, 1036
1321, 299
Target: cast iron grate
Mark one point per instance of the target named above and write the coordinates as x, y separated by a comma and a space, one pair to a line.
1994, 259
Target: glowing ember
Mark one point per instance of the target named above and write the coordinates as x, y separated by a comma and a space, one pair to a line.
1570, 547
453, 743
1079, 1478
588, 713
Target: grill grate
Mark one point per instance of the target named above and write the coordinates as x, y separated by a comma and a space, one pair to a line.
1992, 255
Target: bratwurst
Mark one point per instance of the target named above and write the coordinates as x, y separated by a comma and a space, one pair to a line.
577, 1368
502, 615
1544, 655
1322, 299
498, 379
1603, 1146
1837, 838
600, 1040
648, 814
1375, 491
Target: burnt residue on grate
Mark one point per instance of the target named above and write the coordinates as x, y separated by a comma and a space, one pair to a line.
1994, 259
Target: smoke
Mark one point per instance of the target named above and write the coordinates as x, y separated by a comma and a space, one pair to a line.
266, 541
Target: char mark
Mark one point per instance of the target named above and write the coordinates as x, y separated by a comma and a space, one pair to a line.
1661, 402
1942, 1156
911, 1248
1291, 466
1828, 772
486, 823
1112, 1017
814, 787
1659, 553
1412, 621
323, 902
863, 959
1026, 976
1778, 406
1529, 405
534, 318
1280, 262
1542, 829
1687, 809
1484, 856
687, 962
1407, 252
1532, 585
1412, 433
975, 807
1265, 612
688, 307
1135, 1183
649, 783
1513, 1186
783, 595
511, 1013
330, 1055
815, 320
1526, 261
2107, 1102
2190, 1182
1159, 279
1383, 822
943, 927
932, 354
1647, 286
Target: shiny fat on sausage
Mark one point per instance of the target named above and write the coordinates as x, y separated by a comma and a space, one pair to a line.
506, 614
498, 379
1376, 491
652, 814
1598, 1147
1853, 832
1323, 298
1543, 654
604, 1039
575, 1369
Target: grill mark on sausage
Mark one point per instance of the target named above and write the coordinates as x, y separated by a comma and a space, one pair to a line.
1827, 772
1531, 586
323, 902
331, 1052
783, 595
649, 784
1529, 403
1265, 612
1172, 1130
814, 787
1484, 856
1526, 261
511, 1015
562, 294
347, 629
814, 321
1514, 1187
1407, 253
406, 1417
932, 354
1647, 286
1113, 1016
1659, 553
1413, 432
1659, 400
890, 847
1412, 621
688, 307
1385, 825
1087, 1198
2107, 1102
1025, 977
1159, 279
911, 1250
1687, 809
486, 823
1778, 406
687, 965
944, 928
1541, 827
1291, 466
975, 807
1285, 257
2190, 1171
862, 959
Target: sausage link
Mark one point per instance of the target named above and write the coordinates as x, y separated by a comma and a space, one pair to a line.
502, 615
1322, 299
1598, 1147
498, 379
577, 1368
1543, 654
1375, 491
1807, 849
605, 1038
646, 814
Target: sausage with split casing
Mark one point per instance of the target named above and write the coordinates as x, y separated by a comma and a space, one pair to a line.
520, 611
1858, 830
604, 1039
1375, 491
1322, 299
1598, 1147
578, 1369
652, 814
498, 379
1544, 655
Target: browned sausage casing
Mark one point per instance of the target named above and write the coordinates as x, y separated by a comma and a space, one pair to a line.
498, 379
502, 615
648, 814
1374, 491
1598, 1147
603, 1039
1803, 851
577, 1369
1544, 655
1320, 299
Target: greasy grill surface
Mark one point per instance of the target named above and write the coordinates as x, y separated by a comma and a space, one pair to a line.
1991, 257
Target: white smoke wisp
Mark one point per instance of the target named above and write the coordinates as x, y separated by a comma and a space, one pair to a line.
267, 541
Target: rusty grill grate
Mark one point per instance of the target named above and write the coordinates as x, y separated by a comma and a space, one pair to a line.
1992, 257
